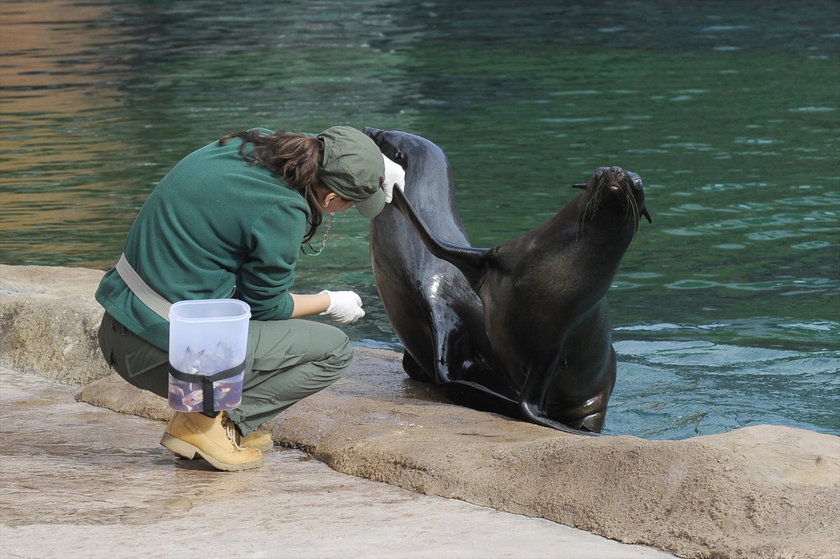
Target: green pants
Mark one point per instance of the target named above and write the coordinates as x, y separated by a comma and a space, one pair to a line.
287, 361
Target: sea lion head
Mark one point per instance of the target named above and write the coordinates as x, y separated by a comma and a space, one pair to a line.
615, 183
393, 144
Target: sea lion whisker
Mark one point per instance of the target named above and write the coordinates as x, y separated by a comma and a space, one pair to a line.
632, 213
590, 209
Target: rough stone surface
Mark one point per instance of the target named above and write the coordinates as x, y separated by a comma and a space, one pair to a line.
48, 322
93, 484
758, 492
764, 491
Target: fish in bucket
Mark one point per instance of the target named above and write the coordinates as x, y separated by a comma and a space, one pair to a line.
208, 341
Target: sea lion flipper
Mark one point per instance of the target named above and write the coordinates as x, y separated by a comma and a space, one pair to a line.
479, 397
533, 414
467, 259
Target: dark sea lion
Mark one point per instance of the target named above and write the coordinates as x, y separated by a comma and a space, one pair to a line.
544, 296
541, 348
433, 309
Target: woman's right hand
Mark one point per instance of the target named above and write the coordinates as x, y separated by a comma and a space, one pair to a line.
345, 307
394, 177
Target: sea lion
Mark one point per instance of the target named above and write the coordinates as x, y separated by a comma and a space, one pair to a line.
433, 309
543, 349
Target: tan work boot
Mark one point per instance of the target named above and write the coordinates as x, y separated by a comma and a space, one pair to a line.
212, 438
261, 440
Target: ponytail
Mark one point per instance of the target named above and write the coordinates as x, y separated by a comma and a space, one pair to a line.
292, 157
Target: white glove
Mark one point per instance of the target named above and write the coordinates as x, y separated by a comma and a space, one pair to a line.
394, 176
345, 307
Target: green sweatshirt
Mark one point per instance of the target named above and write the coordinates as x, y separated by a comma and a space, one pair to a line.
214, 227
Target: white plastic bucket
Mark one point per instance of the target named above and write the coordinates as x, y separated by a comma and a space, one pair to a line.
207, 337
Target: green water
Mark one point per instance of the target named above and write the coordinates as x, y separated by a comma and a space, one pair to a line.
725, 308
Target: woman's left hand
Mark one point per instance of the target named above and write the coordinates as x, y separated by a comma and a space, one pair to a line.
394, 176
345, 307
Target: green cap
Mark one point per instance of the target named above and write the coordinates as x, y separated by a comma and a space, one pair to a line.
353, 168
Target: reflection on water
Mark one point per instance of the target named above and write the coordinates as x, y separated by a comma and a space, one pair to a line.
729, 111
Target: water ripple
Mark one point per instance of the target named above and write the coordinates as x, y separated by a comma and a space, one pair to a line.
660, 383
770, 285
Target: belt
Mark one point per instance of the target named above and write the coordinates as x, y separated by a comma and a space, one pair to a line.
141, 289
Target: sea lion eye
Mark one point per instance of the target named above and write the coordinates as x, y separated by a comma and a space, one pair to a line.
399, 157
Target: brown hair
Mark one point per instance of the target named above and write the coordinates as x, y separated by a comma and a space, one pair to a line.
291, 157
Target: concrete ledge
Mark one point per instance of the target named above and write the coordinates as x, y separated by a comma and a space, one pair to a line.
764, 491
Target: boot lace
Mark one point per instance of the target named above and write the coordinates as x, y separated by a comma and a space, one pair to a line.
231, 431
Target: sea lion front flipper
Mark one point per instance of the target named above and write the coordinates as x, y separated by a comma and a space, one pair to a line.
468, 260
